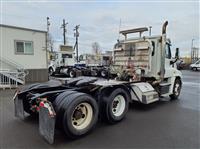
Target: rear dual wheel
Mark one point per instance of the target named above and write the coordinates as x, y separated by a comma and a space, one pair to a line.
77, 113
72, 73
104, 73
51, 71
115, 105
82, 115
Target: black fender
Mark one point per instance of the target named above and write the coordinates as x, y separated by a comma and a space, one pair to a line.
108, 89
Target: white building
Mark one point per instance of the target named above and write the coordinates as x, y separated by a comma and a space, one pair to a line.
23, 48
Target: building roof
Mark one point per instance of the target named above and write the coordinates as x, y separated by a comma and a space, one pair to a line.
22, 28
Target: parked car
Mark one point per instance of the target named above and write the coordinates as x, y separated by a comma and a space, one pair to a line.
196, 65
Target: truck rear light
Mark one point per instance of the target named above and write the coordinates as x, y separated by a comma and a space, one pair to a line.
44, 103
41, 104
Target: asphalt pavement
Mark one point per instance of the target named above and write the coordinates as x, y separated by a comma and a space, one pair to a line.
164, 124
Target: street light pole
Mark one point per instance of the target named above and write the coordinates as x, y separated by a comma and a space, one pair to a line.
192, 51
47, 40
150, 27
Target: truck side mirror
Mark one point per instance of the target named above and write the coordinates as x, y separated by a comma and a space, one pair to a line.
177, 53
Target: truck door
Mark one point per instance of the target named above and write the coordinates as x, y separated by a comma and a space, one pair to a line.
168, 56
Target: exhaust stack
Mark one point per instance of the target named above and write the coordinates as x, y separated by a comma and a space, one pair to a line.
163, 43
164, 27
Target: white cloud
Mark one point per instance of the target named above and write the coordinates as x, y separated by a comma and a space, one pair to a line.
100, 21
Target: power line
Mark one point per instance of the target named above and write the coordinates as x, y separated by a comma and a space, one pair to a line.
85, 44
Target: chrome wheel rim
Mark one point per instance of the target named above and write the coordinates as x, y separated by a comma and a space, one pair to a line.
103, 74
82, 116
71, 74
118, 105
50, 71
177, 89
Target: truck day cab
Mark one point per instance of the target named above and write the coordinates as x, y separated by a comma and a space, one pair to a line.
145, 71
63, 62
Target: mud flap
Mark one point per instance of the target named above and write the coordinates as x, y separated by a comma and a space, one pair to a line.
47, 124
19, 108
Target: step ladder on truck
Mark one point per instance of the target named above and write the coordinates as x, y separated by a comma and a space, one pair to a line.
145, 71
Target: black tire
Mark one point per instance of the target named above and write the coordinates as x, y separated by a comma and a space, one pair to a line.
72, 73
58, 103
104, 73
194, 68
51, 72
176, 89
59, 99
109, 108
95, 73
69, 117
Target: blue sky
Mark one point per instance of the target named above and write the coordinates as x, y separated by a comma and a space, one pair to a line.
99, 20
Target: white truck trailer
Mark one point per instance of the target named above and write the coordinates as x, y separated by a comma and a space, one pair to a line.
145, 72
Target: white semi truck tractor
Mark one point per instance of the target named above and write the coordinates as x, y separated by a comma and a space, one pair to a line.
145, 72
63, 62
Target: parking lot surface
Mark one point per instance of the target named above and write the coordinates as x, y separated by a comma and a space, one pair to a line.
165, 124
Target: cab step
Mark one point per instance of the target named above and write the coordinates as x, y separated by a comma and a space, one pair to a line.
164, 88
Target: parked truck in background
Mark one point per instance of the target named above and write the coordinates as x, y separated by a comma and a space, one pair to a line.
63, 62
145, 72
61, 59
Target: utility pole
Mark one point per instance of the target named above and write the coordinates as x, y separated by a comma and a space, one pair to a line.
150, 27
47, 42
192, 52
76, 34
64, 30
48, 24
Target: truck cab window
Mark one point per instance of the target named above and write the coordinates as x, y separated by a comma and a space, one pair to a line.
129, 49
153, 45
168, 51
117, 45
66, 55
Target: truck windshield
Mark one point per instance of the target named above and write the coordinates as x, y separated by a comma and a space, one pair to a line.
130, 49
117, 45
66, 55
168, 51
